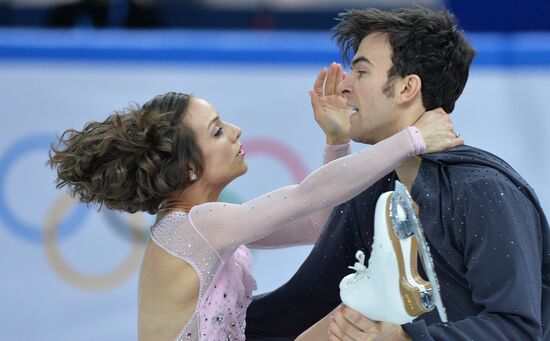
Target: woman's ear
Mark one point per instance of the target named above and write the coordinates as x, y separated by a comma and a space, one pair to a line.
192, 173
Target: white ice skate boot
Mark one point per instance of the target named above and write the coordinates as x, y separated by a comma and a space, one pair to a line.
390, 289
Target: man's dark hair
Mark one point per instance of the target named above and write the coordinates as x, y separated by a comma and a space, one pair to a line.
424, 42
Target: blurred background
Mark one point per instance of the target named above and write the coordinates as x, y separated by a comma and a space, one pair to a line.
69, 272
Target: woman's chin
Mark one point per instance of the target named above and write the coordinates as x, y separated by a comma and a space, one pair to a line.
242, 171
245, 169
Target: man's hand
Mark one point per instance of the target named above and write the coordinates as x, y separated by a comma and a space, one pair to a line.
347, 324
329, 106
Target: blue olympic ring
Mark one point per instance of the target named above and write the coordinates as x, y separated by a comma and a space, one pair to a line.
13, 223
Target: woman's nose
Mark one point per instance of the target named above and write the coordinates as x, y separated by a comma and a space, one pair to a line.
237, 131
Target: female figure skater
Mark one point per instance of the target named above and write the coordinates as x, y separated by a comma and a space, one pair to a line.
173, 156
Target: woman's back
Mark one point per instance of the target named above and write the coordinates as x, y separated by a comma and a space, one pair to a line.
168, 294
188, 288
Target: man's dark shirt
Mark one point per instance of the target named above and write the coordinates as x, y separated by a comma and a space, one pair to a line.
489, 240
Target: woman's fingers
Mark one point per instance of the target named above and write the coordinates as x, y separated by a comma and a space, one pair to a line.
320, 81
338, 79
328, 80
331, 79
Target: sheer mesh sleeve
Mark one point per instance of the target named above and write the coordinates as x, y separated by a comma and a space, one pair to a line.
226, 225
307, 229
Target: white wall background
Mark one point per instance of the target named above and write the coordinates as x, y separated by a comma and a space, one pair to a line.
503, 110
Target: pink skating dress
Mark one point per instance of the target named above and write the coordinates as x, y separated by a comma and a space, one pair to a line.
212, 236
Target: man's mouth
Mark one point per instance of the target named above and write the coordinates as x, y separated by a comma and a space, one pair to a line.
354, 109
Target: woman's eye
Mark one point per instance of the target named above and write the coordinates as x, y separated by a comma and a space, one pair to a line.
218, 131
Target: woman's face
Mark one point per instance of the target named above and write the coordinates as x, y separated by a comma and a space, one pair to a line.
219, 143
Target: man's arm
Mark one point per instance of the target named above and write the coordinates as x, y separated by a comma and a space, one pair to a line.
502, 248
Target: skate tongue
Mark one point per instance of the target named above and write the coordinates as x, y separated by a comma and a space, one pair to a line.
401, 200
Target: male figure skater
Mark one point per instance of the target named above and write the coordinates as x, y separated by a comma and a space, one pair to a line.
489, 238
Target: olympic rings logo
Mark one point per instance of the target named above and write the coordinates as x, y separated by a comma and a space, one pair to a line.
13, 223
71, 275
66, 215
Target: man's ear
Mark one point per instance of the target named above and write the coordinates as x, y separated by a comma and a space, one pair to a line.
409, 88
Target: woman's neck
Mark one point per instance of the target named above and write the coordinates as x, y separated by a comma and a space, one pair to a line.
193, 195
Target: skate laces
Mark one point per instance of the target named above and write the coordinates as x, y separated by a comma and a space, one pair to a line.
359, 267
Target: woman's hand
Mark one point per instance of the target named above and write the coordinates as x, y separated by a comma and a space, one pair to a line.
437, 131
329, 106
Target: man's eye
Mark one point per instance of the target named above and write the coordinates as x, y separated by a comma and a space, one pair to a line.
361, 73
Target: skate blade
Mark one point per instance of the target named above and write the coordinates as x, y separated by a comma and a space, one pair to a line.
413, 289
406, 224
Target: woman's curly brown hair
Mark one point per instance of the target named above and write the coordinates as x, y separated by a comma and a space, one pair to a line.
133, 160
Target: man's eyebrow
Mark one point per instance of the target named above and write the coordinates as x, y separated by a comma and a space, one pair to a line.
360, 59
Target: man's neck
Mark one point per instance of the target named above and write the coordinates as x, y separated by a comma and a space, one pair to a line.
406, 173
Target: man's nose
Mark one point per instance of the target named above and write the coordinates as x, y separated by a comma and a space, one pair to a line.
344, 88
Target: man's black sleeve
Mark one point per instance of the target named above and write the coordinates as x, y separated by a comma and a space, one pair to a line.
502, 247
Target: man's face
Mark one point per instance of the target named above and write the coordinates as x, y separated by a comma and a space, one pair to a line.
368, 92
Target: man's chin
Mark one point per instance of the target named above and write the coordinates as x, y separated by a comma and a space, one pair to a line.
359, 138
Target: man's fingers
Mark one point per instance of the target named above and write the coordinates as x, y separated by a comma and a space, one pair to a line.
358, 320
319, 81
347, 327
334, 332
332, 337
